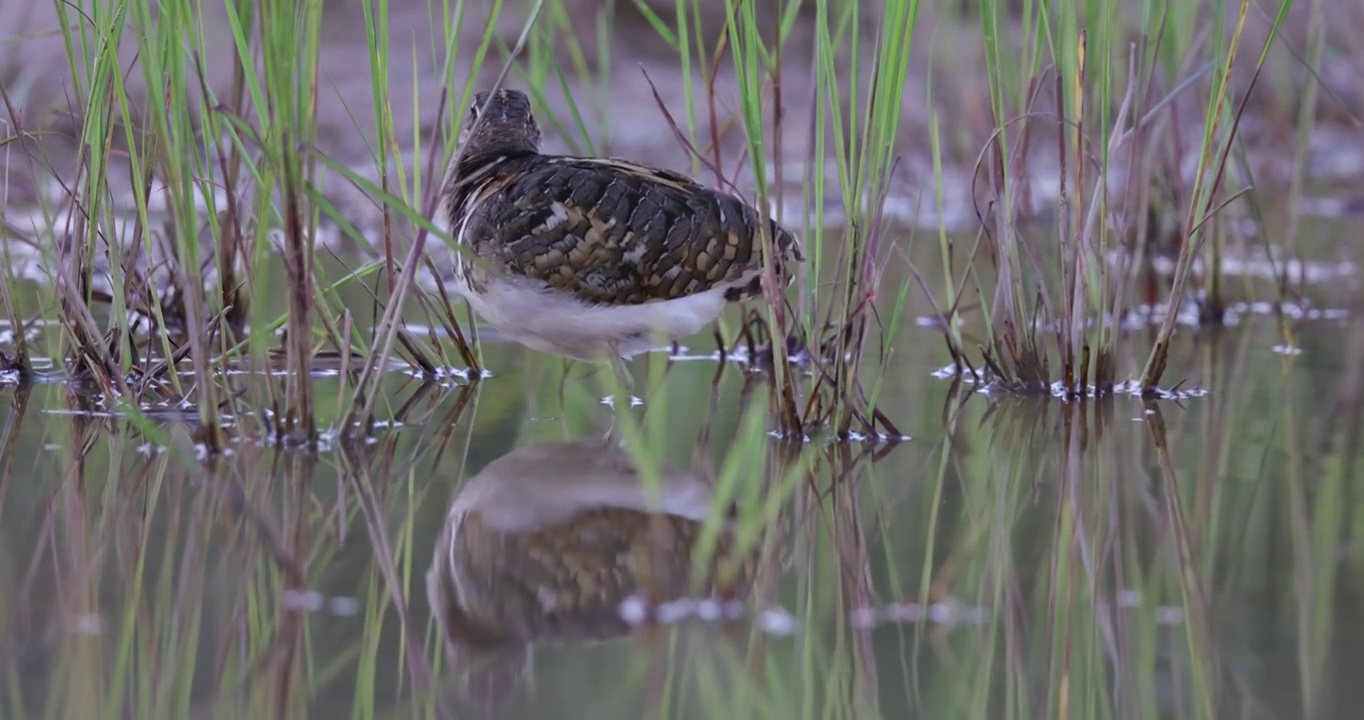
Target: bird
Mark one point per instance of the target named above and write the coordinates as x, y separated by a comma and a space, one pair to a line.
547, 542
593, 258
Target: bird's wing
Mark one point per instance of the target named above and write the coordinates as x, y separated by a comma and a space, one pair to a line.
618, 233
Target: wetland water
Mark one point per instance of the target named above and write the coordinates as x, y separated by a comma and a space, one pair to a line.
1159, 559
483, 550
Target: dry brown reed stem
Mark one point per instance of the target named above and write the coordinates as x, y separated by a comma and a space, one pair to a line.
298, 269
9, 234
773, 291
1197, 217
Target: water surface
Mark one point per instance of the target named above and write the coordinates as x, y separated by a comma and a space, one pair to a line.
1015, 557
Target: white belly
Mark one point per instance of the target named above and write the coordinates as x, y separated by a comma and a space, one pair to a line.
542, 318
555, 321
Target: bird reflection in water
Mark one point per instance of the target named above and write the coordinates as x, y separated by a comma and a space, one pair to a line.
548, 542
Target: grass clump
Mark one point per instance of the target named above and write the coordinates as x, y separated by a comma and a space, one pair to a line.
191, 243
1087, 96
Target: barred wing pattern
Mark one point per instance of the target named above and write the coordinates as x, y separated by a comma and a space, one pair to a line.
617, 233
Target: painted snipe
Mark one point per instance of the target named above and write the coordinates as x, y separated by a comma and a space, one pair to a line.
591, 258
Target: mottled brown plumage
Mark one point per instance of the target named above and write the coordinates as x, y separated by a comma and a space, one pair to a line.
593, 235
615, 233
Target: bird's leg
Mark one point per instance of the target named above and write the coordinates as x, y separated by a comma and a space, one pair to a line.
618, 379
621, 379
609, 436
563, 397
622, 372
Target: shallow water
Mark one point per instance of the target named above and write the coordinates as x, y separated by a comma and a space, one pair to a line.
1119, 558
